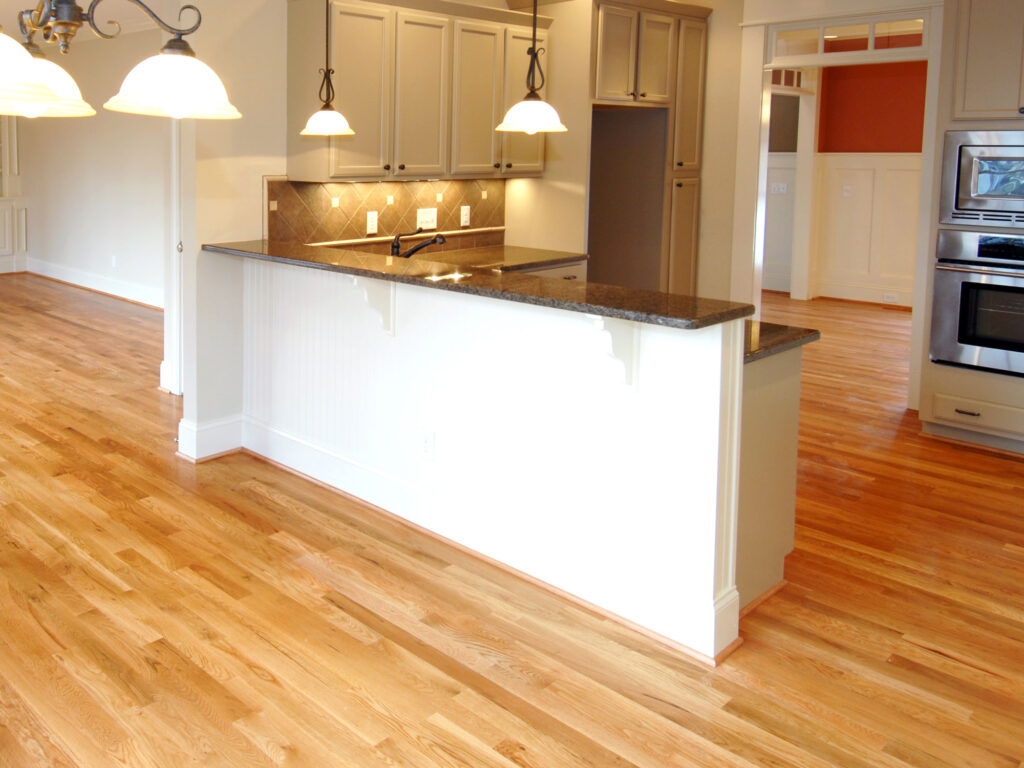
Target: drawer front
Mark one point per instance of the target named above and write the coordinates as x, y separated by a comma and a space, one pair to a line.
987, 417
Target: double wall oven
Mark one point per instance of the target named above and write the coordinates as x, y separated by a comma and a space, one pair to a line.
978, 301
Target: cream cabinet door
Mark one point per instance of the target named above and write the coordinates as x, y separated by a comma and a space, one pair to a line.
689, 112
521, 154
422, 82
990, 59
656, 48
682, 260
362, 55
477, 98
616, 53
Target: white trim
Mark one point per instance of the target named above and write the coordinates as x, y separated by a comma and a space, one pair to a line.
143, 294
200, 441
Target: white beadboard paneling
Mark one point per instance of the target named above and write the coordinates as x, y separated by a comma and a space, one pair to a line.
867, 233
592, 459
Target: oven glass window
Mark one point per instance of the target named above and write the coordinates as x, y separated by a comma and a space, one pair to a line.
991, 316
996, 177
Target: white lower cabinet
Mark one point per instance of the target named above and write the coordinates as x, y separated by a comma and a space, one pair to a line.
980, 415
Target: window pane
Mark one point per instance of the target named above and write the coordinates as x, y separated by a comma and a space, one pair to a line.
853, 37
797, 42
906, 33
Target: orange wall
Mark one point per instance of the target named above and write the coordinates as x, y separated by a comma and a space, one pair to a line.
872, 107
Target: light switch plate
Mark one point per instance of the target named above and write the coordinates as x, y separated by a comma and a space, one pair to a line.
371, 222
426, 218
464, 216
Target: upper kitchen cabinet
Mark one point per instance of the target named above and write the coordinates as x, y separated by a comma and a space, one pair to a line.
477, 98
689, 96
489, 76
422, 80
362, 54
423, 91
990, 60
521, 154
635, 55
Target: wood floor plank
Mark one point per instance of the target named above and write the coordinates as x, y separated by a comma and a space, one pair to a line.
157, 613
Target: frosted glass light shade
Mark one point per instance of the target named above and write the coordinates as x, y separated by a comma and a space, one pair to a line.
68, 100
327, 122
173, 85
532, 115
21, 91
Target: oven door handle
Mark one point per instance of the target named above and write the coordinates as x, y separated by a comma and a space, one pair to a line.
980, 271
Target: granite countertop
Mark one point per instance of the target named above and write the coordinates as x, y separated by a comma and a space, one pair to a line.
671, 310
766, 339
502, 258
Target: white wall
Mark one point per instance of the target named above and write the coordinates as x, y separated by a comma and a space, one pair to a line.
97, 188
778, 233
224, 164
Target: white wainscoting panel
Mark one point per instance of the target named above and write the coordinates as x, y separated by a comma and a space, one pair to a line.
589, 455
778, 228
867, 224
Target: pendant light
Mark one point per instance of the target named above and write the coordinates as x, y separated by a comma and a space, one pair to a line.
21, 91
67, 101
173, 83
327, 121
532, 114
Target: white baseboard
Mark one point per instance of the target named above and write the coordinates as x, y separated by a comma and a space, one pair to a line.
366, 483
144, 294
200, 441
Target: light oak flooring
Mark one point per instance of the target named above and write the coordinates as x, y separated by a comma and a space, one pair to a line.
156, 613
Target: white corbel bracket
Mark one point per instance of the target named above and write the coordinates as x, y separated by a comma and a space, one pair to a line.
380, 297
624, 336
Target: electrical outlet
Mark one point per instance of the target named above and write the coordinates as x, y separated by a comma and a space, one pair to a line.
371, 222
391, 199
335, 202
891, 298
483, 195
113, 260
273, 205
440, 197
426, 218
779, 188
464, 216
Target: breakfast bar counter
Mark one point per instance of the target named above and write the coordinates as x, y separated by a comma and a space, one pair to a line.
584, 436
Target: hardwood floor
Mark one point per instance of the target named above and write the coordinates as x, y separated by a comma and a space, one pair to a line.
156, 613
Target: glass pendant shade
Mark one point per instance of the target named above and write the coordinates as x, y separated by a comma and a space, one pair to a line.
327, 121
532, 115
173, 84
22, 92
68, 100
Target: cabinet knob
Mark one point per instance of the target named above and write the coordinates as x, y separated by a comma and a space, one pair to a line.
679, 162
1021, 110
508, 165
387, 167
401, 166
632, 94
679, 183
643, 95
497, 165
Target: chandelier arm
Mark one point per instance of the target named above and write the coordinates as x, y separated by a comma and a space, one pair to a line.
90, 17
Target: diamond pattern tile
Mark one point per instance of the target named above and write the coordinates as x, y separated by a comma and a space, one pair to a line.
305, 214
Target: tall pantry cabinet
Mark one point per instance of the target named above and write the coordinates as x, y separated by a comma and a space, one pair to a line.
650, 56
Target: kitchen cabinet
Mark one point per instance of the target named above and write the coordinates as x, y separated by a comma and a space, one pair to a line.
689, 103
362, 54
685, 214
521, 154
489, 76
990, 60
477, 98
635, 55
422, 91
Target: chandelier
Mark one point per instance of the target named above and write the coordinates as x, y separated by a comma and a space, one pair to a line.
173, 83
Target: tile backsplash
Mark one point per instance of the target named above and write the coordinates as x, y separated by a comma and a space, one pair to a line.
311, 212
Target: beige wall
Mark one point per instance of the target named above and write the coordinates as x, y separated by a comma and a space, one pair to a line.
97, 188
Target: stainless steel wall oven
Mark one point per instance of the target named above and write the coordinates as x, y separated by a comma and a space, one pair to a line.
978, 301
